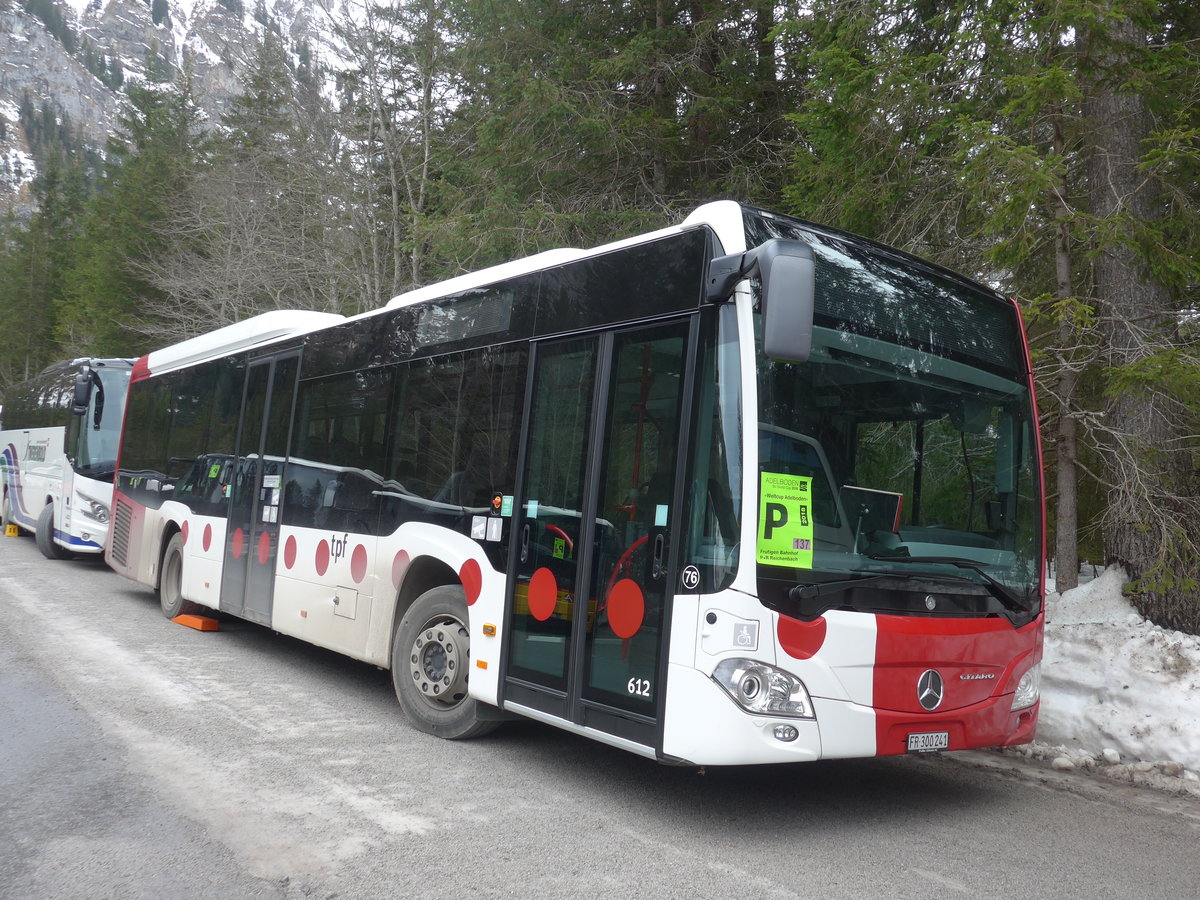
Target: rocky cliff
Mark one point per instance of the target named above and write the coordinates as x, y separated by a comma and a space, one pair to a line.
76, 57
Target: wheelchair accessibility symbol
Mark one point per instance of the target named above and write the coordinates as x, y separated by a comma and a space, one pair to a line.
745, 634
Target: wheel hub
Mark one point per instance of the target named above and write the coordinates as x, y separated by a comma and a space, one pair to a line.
438, 661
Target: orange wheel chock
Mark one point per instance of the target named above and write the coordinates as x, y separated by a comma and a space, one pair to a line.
200, 623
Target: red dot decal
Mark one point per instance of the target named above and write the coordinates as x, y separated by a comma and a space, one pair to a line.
543, 593
322, 557
399, 564
289, 551
239, 544
626, 608
184, 532
472, 580
207, 537
358, 563
264, 548
801, 640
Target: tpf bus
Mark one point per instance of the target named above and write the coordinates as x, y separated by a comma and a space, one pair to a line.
58, 449
744, 490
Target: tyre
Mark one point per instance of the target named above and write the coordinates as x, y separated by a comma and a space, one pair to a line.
430, 665
45, 535
170, 582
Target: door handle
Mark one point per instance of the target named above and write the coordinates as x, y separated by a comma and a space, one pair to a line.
525, 543
658, 569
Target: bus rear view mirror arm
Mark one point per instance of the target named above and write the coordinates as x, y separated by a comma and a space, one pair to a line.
787, 270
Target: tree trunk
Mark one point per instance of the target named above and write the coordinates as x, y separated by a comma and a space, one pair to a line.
1151, 524
658, 163
1066, 531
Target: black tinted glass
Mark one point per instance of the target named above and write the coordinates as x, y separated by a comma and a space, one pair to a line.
868, 289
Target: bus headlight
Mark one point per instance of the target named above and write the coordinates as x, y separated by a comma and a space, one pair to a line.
763, 689
1028, 688
91, 507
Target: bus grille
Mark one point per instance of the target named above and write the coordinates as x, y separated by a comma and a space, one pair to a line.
122, 518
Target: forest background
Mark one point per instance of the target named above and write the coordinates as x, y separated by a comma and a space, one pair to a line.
1051, 149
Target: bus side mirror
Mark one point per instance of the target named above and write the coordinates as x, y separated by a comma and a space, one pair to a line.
787, 270
84, 382
83, 391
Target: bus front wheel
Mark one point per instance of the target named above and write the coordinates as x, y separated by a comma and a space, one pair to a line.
45, 535
431, 663
170, 583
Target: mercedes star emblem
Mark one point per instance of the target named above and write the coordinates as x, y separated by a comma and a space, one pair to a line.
930, 689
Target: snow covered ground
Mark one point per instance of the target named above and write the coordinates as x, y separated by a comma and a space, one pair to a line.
1119, 695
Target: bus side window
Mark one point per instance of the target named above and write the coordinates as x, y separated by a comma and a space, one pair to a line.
333, 473
452, 438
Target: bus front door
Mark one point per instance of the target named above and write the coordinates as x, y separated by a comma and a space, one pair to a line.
252, 538
595, 518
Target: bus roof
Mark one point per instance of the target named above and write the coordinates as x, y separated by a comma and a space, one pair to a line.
723, 216
260, 329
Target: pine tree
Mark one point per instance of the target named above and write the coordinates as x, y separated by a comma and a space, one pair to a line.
262, 116
33, 258
590, 121
107, 291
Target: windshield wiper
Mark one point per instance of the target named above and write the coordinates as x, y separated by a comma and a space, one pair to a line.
824, 588
1009, 598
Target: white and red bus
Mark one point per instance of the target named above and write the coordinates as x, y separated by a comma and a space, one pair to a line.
744, 490
58, 450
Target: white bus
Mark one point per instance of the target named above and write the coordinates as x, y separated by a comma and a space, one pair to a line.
743, 490
58, 449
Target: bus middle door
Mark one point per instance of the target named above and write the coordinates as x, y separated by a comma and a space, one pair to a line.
252, 539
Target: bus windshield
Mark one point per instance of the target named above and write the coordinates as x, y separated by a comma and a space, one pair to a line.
911, 431
96, 447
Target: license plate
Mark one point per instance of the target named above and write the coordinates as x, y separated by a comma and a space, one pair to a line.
928, 741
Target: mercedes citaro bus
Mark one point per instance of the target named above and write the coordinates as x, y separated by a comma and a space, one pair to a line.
743, 490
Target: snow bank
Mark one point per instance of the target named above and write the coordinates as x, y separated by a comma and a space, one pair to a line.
1112, 681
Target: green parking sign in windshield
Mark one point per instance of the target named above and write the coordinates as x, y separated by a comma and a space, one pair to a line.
785, 525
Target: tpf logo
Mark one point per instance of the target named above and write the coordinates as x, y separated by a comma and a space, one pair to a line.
337, 546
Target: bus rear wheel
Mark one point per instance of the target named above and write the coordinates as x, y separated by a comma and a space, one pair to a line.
45, 535
170, 583
431, 663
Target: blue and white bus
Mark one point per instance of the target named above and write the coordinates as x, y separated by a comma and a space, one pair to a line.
58, 448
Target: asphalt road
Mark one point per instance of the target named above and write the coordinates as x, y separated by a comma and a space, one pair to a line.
145, 759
